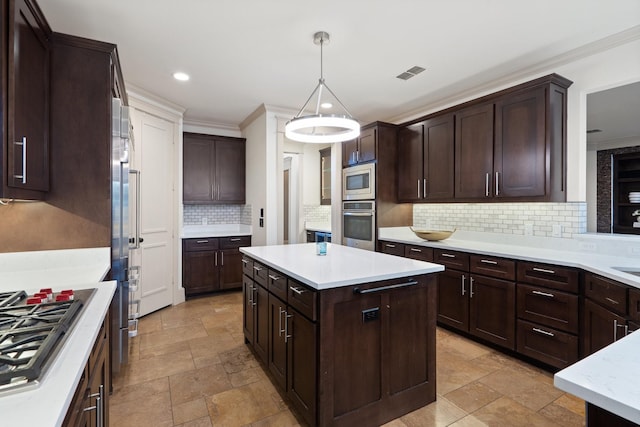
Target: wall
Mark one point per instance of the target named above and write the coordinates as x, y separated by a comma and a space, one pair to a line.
505, 218
255, 134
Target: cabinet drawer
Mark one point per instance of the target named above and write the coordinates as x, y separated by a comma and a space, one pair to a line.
548, 345
606, 292
234, 242
552, 308
302, 299
418, 252
492, 266
277, 284
549, 276
204, 244
451, 259
260, 274
634, 304
392, 248
247, 267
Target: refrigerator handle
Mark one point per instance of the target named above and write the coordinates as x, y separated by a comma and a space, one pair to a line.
136, 237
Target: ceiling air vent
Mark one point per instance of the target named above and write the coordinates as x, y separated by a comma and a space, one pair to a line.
411, 72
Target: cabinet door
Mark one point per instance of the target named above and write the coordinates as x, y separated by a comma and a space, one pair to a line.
28, 97
325, 176
367, 145
197, 164
248, 309
492, 314
277, 356
229, 160
261, 326
201, 272
474, 152
601, 327
438, 158
520, 168
230, 269
349, 149
301, 337
410, 163
453, 299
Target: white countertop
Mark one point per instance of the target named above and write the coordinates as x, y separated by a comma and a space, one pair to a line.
342, 266
577, 252
47, 404
609, 378
323, 227
215, 230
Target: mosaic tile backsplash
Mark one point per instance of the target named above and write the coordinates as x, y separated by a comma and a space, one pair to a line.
536, 219
217, 214
317, 213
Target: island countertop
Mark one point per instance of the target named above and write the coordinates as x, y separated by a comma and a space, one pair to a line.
342, 266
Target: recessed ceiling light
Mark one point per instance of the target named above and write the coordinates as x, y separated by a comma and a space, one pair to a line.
183, 77
326, 105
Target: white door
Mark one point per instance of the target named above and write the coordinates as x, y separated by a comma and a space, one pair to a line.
153, 158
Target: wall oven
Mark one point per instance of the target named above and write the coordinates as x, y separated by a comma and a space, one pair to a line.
359, 224
359, 182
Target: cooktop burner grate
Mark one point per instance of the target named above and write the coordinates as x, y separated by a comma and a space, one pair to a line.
10, 298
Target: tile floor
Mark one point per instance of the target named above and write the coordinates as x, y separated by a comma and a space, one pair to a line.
189, 367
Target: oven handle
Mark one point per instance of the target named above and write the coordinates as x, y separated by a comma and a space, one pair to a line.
358, 213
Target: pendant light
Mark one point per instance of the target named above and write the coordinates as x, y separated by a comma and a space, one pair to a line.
322, 128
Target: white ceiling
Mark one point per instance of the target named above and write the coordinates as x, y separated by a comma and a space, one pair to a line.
616, 113
244, 53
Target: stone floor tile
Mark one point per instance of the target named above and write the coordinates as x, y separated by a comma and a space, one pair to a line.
281, 419
197, 383
124, 394
439, 413
472, 396
170, 336
190, 411
200, 422
151, 411
175, 347
243, 405
469, 421
453, 372
506, 412
572, 403
562, 416
156, 367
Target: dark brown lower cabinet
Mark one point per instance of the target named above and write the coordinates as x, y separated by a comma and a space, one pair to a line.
255, 317
599, 327
277, 359
248, 309
598, 417
453, 302
548, 345
301, 336
492, 310
90, 404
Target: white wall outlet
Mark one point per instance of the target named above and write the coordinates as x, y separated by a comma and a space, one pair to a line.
634, 250
556, 230
204, 220
588, 246
528, 229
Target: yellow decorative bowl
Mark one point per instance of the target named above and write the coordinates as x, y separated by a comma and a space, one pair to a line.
433, 235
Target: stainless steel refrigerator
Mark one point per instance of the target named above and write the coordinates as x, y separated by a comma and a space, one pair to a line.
120, 234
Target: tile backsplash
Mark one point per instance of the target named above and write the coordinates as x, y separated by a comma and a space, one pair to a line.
317, 213
217, 214
537, 219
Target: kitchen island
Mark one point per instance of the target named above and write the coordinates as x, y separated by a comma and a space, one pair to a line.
349, 337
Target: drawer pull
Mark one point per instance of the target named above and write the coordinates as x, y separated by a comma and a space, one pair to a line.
201, 241
416, 250
488, 261
448, 255
544, 294
385, 288
390, 245
235, 239
274, 278
612, 301
257, 268
540, 331
245, 262
543, 270
297, 290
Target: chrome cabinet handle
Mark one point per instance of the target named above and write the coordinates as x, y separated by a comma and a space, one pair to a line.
424, 188
544, 294
280, 328
486, 184
99, 406
416, 250
470, 287
612, 301
235, 239
250, 295
254, 299
497, 188
298, 291
137, 238
215, 256
274, 278
389, 245
543, 332
200, 242
385, 288
23, 143
245, 262
221, 258
287, 316
448, 255
463, 280
543, 270
418, 182
257, 268
488, 261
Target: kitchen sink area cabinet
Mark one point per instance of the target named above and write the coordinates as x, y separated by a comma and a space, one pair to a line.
610, 312
212, 264
547, 310
214, 169
26, 56
425, 151
391, 248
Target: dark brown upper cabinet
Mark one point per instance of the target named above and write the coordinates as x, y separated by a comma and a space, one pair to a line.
214, 169
425, 151
325, 176
25, 101
360, 150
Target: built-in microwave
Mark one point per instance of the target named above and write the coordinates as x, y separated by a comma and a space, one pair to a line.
359, 182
